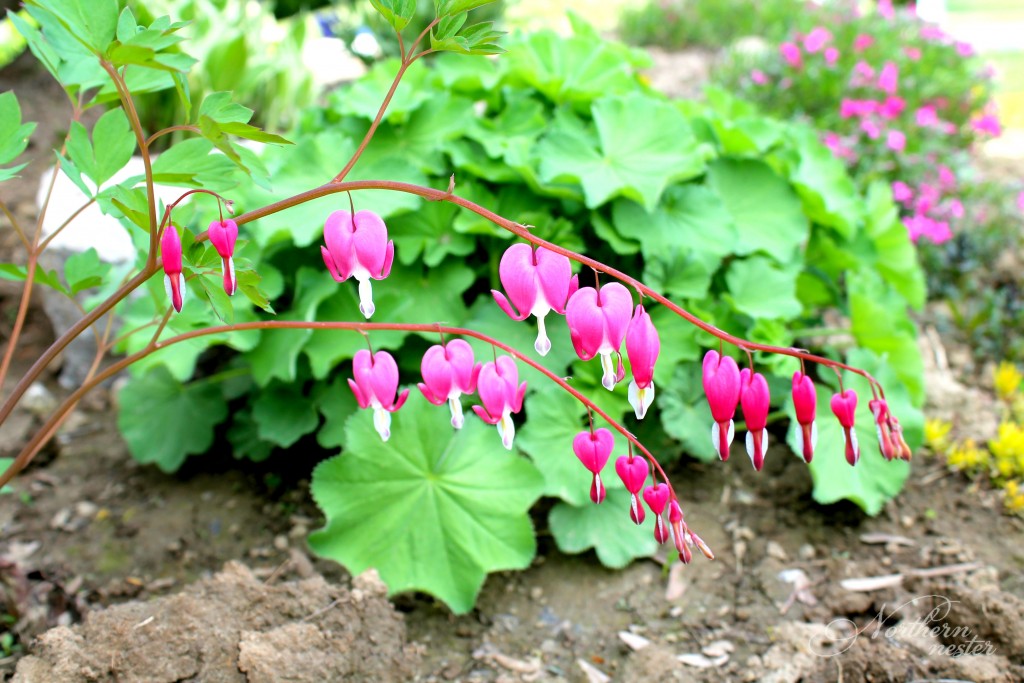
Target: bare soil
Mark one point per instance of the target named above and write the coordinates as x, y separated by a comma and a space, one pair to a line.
113, 571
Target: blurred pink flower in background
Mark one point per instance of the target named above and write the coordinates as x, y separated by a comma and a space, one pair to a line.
1020, 202
888, 78
885, 9
838, 146
896, 140
987, 123
955, 208
921, 226
947, 179
932, 32
831, 55
863, 42
758, 77
892, 107
926, 116
864, 70
912, 53
817, 39
857, 108
964, 49
870, 129
901, 192
791, 53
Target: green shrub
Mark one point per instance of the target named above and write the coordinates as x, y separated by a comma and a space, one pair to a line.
746, 220
675, 24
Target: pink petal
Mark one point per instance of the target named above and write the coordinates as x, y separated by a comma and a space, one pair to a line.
370, 242
518, 274
554, 273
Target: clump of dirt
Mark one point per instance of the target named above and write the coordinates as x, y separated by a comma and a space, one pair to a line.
233, 628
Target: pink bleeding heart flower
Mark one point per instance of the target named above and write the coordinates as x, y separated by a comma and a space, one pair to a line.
805, 401
358, 246
722, 387
656, 498
375, 385
174, 281
642, 347
223, 234
598, 320
448, 372
633, 472
538, 281
680, 532
497, 388
755, 399
844, 406
886, 445
593, 449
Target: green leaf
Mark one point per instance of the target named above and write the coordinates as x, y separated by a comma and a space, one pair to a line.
14, 134
163, 421
633, 161
19, 273
277, 356
432, 509
690, 218
764, 208
554, 418
576, 69
685, 414
407, 295
337, 404
113, 144
873, 481
879, 322
826, 190
762, 289
606, 528
245, 439
429, 232
895, 256
191, 162
84, 270
92, 22
283, 413
364, 96
456, 6
398, 13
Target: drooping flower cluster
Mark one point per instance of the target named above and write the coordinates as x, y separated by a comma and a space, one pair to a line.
600, 320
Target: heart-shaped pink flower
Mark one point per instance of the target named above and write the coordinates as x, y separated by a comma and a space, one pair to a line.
537, 281
844, 406
721, 378
805, 403
656, 498
448, 372
593, 450
633, 473
598, 320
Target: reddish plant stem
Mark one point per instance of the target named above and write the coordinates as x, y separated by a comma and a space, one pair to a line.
523, 232
61, 343
37, 442
19, 320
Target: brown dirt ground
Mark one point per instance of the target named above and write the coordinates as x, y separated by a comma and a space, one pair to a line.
92, 545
